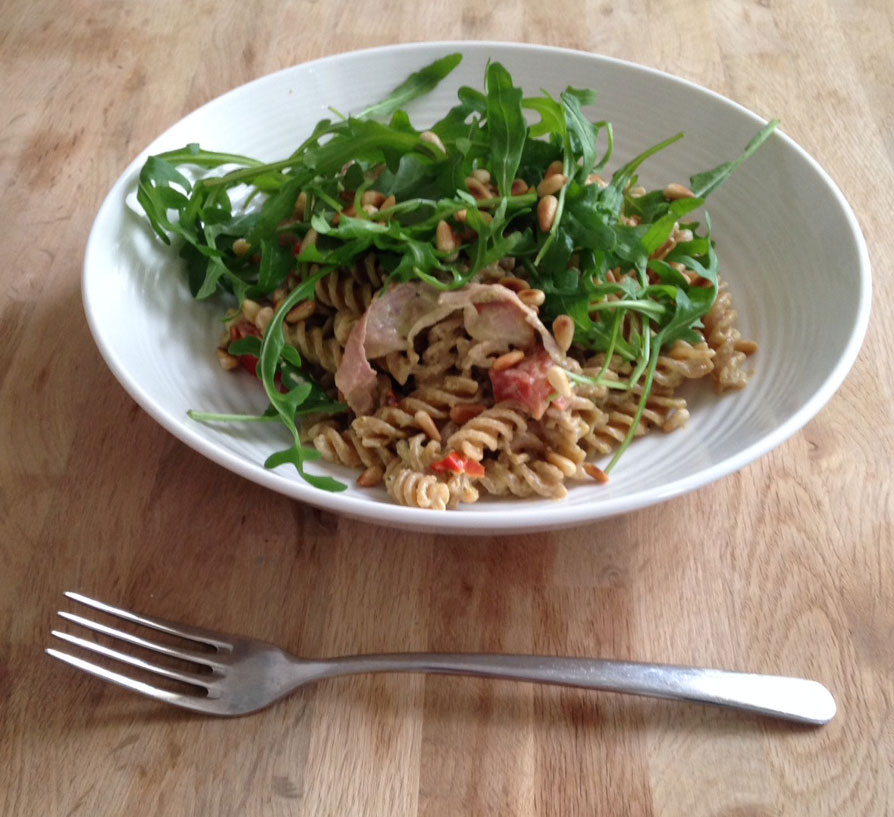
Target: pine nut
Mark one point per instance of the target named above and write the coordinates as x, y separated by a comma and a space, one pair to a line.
461, 216
445, 240
559, 380
309, 240
683, 236
595, 178
596, 472
241, 247
226, 360
554, 168
676, 191
263, 318
532, 297
433, 139
477, 189
388, 203
250, 309
507, 262
463, 412
300, 206
637, 192
519, 187
546, 212
373, 197
371, 477
482, 175
424, 421
551, 184
563, 332
513, 283
509, 359
301, 312
370, 209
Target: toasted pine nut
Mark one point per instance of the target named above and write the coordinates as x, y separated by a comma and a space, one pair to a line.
532, 297
250, 309
551, 184
372, 197
309, 240
463, 412
677, 191
554, 167
461, 216
513, 283
507, 262
388, 203
241, 247
596, 472
683, 236
477, 189
486, 217
482, 175
301, 312
563, 332
519, 187
424, 421
370, 209
509, 359
595, 178
637, 192
371, 477
445, 240
749, 347
263, 318
547, 208
226, 360
433, 139
300, 206
559, 380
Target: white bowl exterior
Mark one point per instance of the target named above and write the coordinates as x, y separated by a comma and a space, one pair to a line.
788, 244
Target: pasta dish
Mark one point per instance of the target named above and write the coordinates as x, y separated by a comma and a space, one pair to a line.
478, 308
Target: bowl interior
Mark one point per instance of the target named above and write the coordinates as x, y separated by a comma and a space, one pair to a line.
788, 245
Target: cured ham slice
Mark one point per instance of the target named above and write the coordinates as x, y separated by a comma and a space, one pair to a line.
395, 318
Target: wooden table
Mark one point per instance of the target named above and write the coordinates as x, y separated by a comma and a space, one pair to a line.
785, 567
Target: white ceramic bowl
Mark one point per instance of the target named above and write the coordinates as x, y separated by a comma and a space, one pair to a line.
788, 243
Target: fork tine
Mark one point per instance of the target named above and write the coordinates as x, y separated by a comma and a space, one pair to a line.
193, 702
175, 652
208, 637
186, 677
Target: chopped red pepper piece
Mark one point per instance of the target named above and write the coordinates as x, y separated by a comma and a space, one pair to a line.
458, 464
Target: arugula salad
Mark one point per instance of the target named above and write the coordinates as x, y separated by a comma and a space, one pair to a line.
478, 307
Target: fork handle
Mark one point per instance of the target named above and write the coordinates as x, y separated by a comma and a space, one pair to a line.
794, 699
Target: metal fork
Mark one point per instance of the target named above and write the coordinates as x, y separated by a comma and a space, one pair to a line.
244, 675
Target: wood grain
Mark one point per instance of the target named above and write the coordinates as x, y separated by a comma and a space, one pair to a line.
786, 567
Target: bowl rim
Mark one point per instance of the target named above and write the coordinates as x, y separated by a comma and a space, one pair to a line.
513, 516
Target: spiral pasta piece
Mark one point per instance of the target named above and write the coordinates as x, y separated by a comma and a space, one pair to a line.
344, 293
344, 447
523, 478
487, 430
416, 490
316, 344
726, 341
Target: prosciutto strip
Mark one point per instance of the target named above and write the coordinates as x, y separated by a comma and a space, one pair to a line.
394, 319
